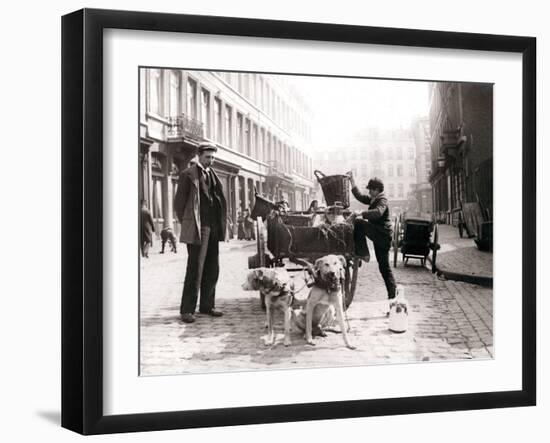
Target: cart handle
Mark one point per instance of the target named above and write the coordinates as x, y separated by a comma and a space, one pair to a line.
318, 173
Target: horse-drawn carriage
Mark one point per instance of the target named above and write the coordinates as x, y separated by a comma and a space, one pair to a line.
295, 239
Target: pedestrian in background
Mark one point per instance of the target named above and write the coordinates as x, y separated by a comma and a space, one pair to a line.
230, 232
251, 223
202, 210
240, 226
147, 227
248, 225
313, 206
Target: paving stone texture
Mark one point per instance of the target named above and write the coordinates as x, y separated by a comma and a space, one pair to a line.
448, 320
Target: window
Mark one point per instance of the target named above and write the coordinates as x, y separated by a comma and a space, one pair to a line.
247, 137
191, 98
228, 133
411, 170
217, 120
410, 153
254, 142
391, 190
240, 144
272, 104
205, 111
400, 170
390, 170
267, 147
267, 105
389, 153
400, 190
262, 154
399, 153
154, 91
246, 85
174, 93
288, 158
261, 92
240, 83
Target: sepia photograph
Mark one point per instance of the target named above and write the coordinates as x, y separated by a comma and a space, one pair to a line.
295, 221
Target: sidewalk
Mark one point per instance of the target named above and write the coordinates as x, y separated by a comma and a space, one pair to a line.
460, 259
233, 244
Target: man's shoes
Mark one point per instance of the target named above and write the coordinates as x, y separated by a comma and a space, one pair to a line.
187, 317
212, 313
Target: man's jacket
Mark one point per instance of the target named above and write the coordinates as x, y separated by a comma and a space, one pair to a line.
187, 205
378, 213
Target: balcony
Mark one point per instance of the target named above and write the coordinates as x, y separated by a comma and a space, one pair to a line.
275, 168
451, 140
276, 173
184, 126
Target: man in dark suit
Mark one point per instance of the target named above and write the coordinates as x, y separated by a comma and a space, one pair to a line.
202, 211
376, 225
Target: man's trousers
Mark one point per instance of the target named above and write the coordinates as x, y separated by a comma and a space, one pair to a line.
382, 244
202, 273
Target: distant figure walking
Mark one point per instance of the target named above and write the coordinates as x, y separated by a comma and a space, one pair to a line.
147, 227
248, 226
240, 226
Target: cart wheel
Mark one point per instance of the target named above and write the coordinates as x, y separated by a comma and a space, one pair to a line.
260, 241
351, 281
435, 247
396, 228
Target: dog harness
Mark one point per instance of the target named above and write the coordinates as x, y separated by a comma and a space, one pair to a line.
280, 289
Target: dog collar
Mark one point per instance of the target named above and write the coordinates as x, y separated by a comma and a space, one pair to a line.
328, 286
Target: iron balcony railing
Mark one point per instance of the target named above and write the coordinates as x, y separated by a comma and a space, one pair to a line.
185, 126
275, 167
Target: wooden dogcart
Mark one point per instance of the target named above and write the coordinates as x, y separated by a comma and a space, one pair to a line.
289, 239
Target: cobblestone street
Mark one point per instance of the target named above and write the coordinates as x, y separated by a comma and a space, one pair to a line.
447, 320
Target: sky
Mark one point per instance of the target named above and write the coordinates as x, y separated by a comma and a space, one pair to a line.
343, 105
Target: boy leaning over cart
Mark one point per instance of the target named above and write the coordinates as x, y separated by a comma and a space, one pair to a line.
374, 224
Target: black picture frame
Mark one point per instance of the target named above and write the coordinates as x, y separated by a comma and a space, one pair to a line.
82, 216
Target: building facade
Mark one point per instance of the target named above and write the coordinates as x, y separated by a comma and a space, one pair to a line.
461, 140
372, 152
258, 122
423, 191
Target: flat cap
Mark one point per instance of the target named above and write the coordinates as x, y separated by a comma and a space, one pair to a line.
207, 147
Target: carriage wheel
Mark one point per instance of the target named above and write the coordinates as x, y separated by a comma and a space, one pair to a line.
435, 247
351, 281
395, 241
260, 241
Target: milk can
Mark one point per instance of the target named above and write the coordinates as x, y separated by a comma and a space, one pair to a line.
399, 312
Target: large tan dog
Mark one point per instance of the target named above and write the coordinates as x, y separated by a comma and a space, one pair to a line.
329, 274
276, 288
